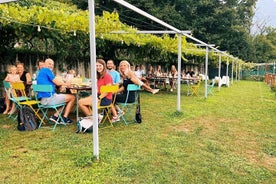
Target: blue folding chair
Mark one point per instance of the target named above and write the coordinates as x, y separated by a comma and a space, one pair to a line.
44, 108
130, 108
210, 87
16, 100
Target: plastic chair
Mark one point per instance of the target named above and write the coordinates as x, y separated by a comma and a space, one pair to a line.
210, 87
195, 89
18, 93
224, 81
44, 108
107, 109
130, 108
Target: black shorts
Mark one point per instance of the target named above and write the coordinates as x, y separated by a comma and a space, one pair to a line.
121, 98
105, 101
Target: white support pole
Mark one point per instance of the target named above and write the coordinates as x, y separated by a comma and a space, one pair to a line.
232, 70
227, 66
240, 71
206, 71
219, 70
237, 63
179, 71
93, 77
239, 77
273, 69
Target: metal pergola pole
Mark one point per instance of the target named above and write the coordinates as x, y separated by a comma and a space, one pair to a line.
240, 71
227, 66
232, 70
179, 70
236, 76
206, 71
93, 77
219, 70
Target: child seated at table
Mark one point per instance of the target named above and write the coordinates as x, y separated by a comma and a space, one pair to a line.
71, 79
12, 76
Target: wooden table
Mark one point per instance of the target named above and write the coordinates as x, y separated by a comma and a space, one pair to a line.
164, 80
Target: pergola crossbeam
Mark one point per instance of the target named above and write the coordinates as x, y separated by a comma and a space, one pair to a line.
162, 32
6, 1
150, 32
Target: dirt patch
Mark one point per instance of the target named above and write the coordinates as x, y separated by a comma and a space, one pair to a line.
270, 162
6, 126
248, 146
264, 161
207, 124
182, 128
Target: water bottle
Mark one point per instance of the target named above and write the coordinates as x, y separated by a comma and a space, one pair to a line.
34, 79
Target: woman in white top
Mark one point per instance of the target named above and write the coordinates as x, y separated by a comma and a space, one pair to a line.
158, 72
173, 75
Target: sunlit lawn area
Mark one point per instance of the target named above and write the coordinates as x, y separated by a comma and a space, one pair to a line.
228, 138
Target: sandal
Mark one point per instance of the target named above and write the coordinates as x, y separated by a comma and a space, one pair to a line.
120, 113
115, 119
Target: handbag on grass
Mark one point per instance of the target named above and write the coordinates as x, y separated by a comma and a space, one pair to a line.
85, 124
138, 116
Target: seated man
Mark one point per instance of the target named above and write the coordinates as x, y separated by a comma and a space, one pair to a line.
114, 74
46, 76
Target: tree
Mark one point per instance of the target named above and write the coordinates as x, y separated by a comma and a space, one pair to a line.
7, 42
265, 46
224, 23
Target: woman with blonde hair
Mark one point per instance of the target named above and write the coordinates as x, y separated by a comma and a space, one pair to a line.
129, 77
172, 76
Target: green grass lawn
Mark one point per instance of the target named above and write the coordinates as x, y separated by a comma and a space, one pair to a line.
228, 138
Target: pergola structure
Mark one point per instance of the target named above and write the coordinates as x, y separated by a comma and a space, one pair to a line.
92, 35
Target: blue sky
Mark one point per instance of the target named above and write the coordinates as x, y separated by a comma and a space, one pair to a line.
266, 11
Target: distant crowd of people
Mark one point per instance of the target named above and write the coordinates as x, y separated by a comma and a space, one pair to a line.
151, 73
